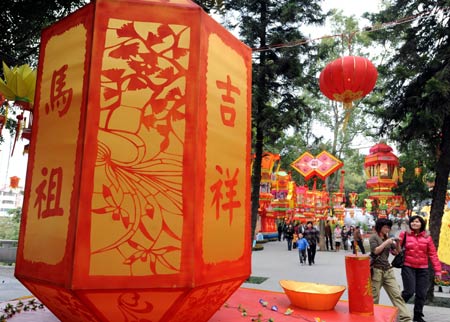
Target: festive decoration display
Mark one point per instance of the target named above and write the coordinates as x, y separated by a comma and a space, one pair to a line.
139, 166
347, 79
323, 165
444, 239
268, 162
353, 197
19, 84
338, 199
382, 170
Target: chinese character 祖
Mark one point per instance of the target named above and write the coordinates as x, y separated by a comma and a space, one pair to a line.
48, 194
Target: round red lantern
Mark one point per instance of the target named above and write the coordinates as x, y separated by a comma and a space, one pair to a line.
347, 79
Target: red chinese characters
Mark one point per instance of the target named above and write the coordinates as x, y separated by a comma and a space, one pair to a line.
60, 98
228, 112
48, 193
229, 183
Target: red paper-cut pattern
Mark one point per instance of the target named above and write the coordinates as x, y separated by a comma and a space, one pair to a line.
142, 191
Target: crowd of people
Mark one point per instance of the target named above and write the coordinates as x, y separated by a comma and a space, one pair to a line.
416, 242
336, 238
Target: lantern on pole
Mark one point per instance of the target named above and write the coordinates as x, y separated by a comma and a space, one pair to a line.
382, 170
348, 79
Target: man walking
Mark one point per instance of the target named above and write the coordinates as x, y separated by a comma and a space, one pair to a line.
328, 236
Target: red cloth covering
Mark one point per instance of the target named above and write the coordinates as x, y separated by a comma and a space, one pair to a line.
249, 299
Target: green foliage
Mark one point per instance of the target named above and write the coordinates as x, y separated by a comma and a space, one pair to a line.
415, 99
21, 23
16, 214
9, 229
413, 187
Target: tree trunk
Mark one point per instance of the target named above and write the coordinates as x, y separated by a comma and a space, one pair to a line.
256, 179
260, 100
440, 190
441, 182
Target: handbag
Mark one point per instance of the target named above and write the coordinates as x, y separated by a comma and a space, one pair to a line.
399, 259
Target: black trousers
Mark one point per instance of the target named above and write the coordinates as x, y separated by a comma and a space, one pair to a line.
361, 247
415, 280
311, 253
289, 243
328, 239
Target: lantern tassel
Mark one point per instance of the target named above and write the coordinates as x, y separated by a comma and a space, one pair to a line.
18, 130
348, 108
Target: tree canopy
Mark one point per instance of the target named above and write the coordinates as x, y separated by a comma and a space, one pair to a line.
21, 23
415, 98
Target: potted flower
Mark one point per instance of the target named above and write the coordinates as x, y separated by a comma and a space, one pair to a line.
444, 282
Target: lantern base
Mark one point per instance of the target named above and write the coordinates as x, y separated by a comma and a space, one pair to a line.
190, 304
249, 299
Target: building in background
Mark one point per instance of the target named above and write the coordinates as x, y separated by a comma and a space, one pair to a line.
10, 199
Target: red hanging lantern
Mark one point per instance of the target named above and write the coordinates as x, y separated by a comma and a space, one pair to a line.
347, 79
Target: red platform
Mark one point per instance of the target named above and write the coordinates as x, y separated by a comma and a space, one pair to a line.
249, 300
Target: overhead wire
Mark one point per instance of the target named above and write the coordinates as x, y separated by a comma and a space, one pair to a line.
372, 28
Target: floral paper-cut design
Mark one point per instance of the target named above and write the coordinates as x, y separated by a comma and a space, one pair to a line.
137, 200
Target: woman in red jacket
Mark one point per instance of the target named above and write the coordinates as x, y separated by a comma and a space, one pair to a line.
418, 248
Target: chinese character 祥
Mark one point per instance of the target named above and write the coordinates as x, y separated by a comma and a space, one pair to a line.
60, 98
48, 194
227, 111
229, 183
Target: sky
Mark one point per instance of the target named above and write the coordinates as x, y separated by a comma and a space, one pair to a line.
352, 7
16, 164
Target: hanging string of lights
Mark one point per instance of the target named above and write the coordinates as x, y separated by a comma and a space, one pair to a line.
368, 29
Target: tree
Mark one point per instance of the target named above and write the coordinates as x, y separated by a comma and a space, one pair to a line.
9, 226
416, 97
21, 23
283, 77
16, 214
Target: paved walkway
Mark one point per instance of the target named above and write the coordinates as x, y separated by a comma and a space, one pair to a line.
277, 263
274, 262
10, 287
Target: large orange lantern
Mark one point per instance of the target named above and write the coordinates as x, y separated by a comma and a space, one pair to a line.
139, 167
347, 79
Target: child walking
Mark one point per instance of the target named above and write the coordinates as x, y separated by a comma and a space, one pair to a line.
302, 245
